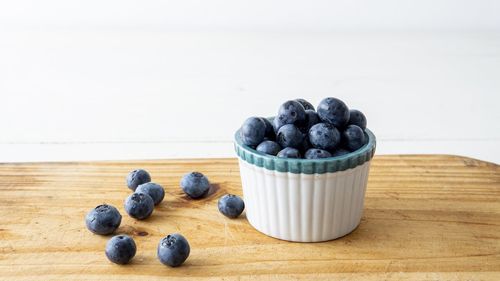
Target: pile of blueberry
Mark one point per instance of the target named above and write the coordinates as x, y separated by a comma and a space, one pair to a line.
300, 131
174, 248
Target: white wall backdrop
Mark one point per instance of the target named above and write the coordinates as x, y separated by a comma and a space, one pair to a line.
263, 15
89, 80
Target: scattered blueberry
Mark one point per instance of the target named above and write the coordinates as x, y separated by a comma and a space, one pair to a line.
103, 219
195, 185
270, 135
324, 136
307, 105
120, 249
137, 177
315, 153
357, 118
139, 205
333, 111
291, 112
173, 250
231, 206
290, 136
253, 131
269, 147
152, 189
340, 152
289, 152
353, 137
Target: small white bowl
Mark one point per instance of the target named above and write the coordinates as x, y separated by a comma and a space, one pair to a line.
304, 200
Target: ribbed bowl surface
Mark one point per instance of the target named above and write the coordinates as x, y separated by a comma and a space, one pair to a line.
304, 200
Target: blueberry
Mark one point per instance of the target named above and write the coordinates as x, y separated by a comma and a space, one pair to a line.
315, 153
307, 105
120, 249
333, 111
305, 145
289, 152
152, 189
340, 152
312, 119
195, 185
139, 205
277, 124
173, 250
291, 112
269, 147
253, 131
357, 118
324, 136
270, 134
353, 137
137, 177
290, 136
231, 206
103, 219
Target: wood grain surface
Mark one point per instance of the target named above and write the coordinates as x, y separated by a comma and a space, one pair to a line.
426, 218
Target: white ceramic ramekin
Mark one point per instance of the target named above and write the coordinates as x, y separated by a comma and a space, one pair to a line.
304, 200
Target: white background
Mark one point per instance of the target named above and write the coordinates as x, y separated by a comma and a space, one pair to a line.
89, 80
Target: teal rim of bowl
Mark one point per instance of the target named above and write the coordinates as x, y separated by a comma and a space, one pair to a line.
306, 166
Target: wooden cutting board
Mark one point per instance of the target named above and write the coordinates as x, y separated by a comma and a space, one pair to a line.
426, 218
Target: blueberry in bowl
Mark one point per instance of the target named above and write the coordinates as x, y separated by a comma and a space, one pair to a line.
333, 111
316, 153
289, 152
324, 136
307, 105
353, 137
312, 118
290, 136
253, 131
340, 152
357, 118
291, 112
269, 134
269, 147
